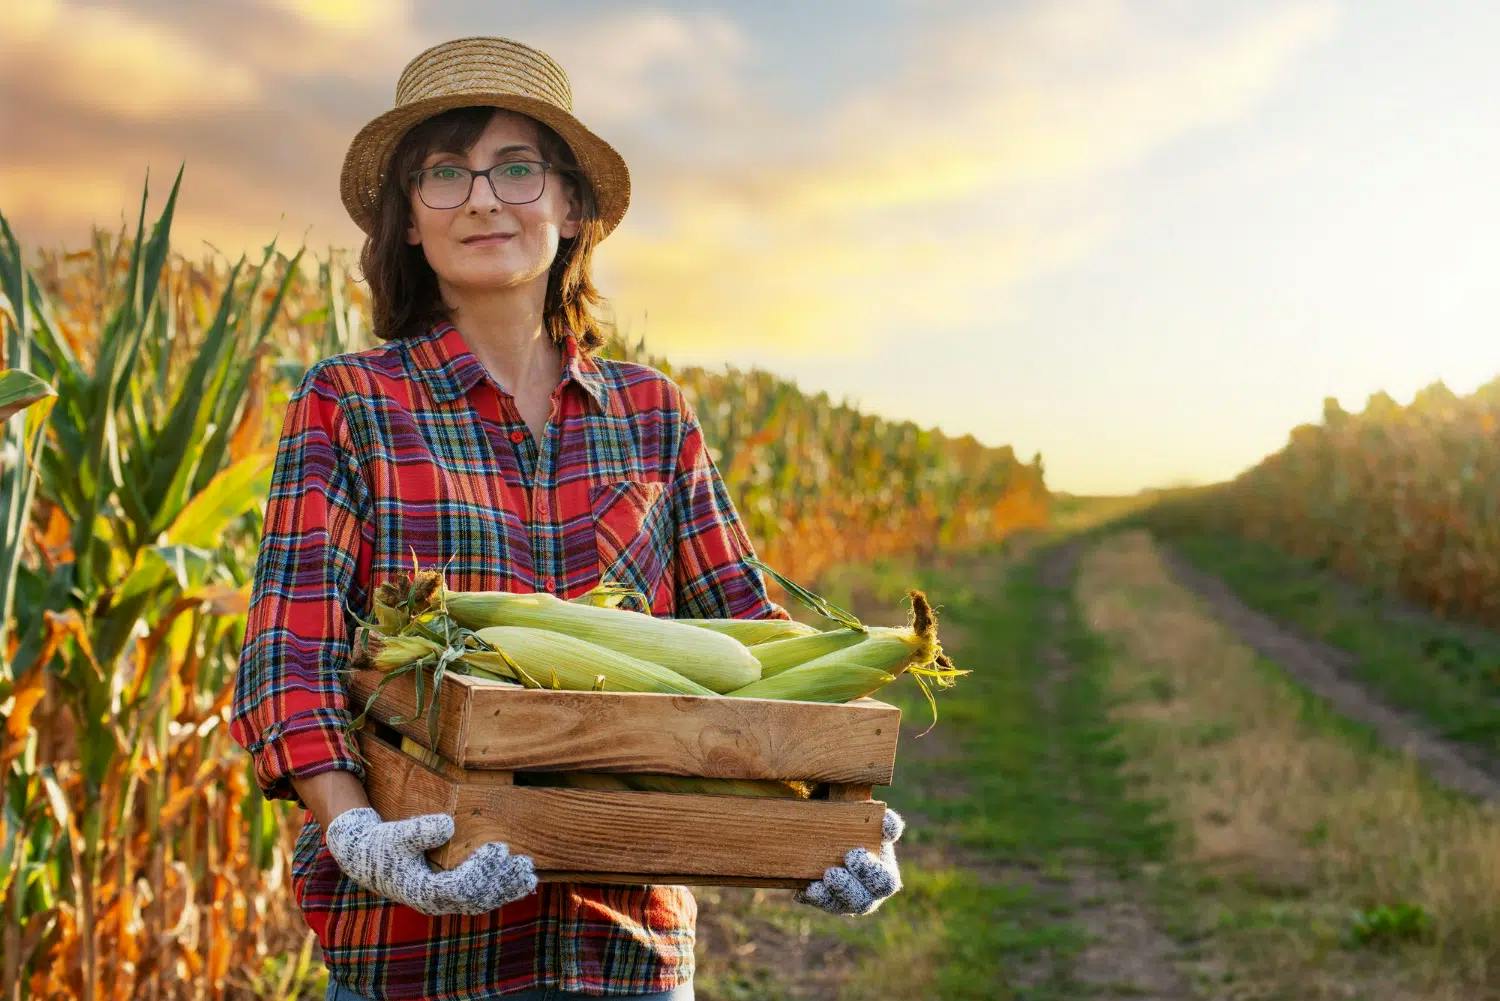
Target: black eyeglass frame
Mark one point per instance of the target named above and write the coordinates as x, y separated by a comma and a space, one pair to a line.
489, 175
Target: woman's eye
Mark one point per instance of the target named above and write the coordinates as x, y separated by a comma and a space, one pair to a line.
518, 169
444, 173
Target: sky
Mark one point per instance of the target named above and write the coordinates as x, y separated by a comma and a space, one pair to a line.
1143, 239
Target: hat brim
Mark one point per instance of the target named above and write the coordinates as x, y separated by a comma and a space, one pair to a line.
369, 152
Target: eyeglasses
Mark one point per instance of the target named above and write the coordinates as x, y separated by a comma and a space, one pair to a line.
448, 186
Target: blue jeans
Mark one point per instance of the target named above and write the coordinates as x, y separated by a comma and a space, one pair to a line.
682, 992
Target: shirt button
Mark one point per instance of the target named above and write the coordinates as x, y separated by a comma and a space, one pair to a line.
518, 436
541, 505
549, 583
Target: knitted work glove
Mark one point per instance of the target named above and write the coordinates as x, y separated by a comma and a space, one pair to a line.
388, 859
865, 879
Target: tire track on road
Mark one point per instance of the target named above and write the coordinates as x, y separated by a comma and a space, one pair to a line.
1331, 673
1130, 956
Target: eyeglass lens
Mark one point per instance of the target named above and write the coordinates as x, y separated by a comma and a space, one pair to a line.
448, 187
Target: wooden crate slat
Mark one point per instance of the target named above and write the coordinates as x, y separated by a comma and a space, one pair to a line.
506, 728
689, 879
650, 832
399, 786
399, 698
658, 837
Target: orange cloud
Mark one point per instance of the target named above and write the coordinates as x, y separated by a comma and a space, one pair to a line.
106, 60
941, 184
919, 198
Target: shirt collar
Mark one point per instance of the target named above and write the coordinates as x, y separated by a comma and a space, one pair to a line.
441, 357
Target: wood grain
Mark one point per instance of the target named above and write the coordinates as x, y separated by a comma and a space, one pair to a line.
690, 879
627, 836
512, 729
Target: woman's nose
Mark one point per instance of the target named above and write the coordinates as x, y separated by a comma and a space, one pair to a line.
482, 194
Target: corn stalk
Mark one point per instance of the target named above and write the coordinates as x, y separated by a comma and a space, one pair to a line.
125, 803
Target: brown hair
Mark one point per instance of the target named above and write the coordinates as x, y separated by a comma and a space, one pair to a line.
403, 287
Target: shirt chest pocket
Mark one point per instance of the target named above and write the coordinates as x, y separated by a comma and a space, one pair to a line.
633, 534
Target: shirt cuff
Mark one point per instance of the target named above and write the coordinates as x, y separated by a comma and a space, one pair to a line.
305, 745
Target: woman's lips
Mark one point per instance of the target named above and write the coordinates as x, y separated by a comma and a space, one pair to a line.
479, 241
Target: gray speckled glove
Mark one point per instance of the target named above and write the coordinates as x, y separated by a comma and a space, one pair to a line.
388, 858
865, 879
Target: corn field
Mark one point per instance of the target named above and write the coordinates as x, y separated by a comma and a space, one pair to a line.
137, 857
1404, 499
818, 484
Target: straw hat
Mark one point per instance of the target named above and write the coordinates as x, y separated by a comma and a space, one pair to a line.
490, 71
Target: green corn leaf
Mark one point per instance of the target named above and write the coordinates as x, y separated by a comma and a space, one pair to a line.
821, 605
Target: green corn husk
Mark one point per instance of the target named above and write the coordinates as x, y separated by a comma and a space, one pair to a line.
828, 682
779, 655
420, 601
387, 653
607, 594
753, 632
861, 668
769, 788
391, 620
914, 650
527, 654
424, 659
712, 660
886, 647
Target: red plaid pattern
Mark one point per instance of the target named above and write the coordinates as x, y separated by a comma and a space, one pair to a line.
412, 446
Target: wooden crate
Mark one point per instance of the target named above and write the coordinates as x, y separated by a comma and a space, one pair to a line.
488, 732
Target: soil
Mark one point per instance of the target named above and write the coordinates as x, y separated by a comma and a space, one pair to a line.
1129, 955
1331, 673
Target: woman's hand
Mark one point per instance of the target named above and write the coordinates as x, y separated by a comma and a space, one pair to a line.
865, 879
388, 859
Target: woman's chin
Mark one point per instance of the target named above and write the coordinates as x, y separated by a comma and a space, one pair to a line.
495, 276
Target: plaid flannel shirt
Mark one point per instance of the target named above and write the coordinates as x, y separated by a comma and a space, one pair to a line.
413, 446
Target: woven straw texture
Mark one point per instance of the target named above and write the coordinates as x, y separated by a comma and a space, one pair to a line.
485, 71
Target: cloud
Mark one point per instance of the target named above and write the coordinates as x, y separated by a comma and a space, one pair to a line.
106, 60
253, 100
356, 40
1050, 93
643, 66
349, 20
916, 200
57, 187
789, 283
264, 96
978, 163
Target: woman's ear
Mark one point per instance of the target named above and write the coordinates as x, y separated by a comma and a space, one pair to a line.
573, 221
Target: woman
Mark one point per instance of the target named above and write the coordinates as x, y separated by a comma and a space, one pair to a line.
484, 437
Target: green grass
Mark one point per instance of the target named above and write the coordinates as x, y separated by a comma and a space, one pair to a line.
1026, 787
1322, 917
1445, 673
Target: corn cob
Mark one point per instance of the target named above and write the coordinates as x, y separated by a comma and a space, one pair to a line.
857, 670
827, 683
387, 653
607, 594
712, 660
802, 664
752, 632
778, 655
533, 655
429, 758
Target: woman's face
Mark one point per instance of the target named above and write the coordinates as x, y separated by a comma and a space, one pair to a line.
533, 228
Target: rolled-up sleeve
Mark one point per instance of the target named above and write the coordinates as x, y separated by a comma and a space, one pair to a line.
289, 703
712, 579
